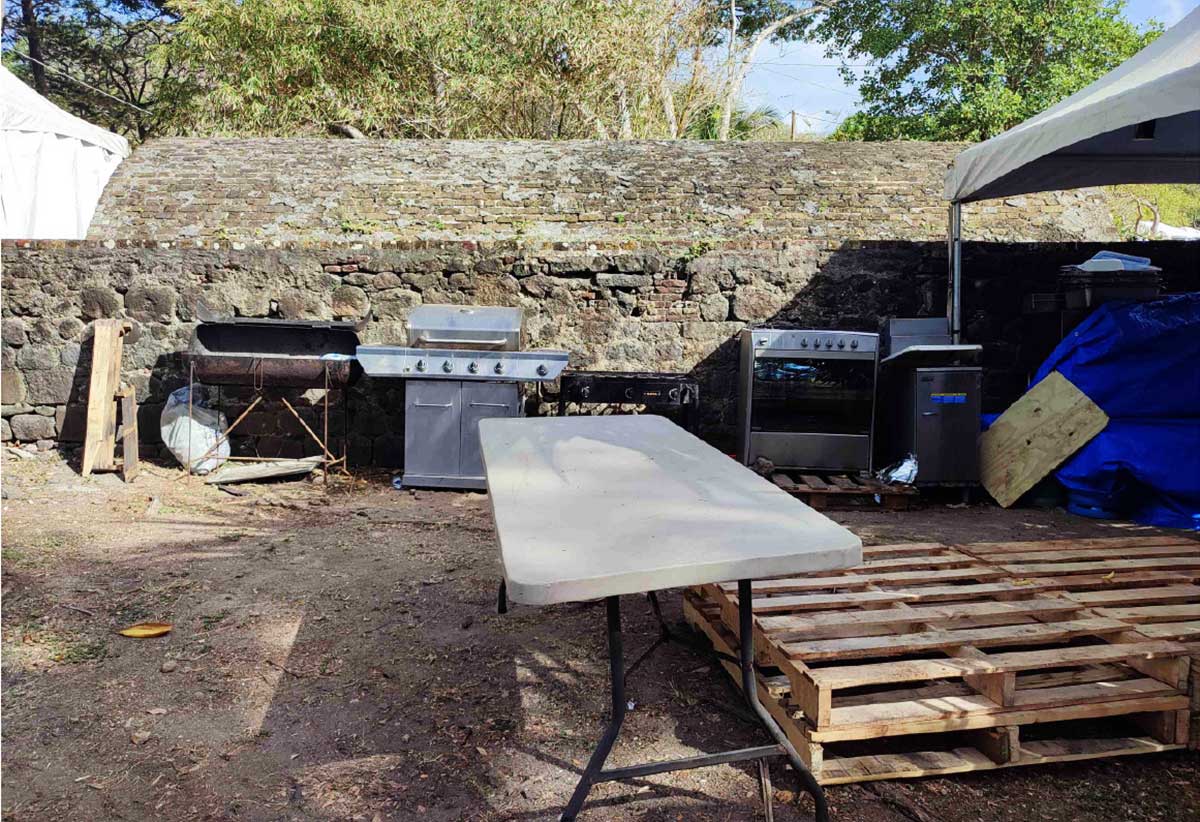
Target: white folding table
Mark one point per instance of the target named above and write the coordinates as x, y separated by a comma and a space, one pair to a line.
596, 507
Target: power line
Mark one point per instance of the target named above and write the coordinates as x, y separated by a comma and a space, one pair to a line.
810, 82
80, 82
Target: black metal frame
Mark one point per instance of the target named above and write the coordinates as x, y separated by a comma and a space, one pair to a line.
595, 772
624, 388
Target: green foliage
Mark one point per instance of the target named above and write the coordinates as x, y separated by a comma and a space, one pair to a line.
970, 69
744, 125
111, 45
1178, 204
421, 68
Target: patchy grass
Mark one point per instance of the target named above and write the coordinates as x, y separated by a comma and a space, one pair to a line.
210, 621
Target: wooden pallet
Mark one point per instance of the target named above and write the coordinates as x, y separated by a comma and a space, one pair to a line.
934, 659
1150, 583
819, 491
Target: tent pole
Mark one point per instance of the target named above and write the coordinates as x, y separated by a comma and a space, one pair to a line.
954, 298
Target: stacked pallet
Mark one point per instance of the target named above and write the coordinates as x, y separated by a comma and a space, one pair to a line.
934, 659
1147, 582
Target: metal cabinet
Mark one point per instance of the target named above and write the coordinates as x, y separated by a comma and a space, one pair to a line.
938, 418
481, 400
432, 412
441, 429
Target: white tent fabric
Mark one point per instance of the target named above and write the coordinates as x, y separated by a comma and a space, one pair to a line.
53, 165
1089, 138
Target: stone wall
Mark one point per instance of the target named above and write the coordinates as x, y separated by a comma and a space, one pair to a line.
623, 310
613, 194
632, 256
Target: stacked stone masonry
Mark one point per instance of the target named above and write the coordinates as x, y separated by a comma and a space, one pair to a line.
632, 256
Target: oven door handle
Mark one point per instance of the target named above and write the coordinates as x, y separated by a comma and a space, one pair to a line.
433, 404
488, 404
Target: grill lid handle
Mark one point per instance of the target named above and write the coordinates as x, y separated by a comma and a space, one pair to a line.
462, 341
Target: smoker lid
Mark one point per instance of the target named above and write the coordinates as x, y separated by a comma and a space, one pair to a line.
281, 324
466, 318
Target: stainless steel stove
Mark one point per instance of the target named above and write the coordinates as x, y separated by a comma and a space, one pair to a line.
461, 364
807, 398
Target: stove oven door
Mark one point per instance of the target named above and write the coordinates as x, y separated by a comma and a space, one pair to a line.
481, 400
811, 411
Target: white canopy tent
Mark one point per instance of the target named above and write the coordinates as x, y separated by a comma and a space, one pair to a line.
53, 165
1140, 123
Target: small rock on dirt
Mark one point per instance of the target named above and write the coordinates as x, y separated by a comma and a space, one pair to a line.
168, 666
140, 737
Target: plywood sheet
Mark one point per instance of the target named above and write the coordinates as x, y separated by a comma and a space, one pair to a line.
100, 437
1050, 423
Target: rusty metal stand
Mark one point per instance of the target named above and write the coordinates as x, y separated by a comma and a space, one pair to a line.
328, 461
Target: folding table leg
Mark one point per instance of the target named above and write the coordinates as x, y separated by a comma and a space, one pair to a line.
750, 689
616, 667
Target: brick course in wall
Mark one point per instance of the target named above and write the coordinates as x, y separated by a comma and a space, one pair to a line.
632, 256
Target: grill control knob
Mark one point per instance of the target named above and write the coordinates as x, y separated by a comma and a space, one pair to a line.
473, 368
447, 366
499, 369
803, 342
585, 392
542, 370
829, 343
854, 343
420, 365
841, 343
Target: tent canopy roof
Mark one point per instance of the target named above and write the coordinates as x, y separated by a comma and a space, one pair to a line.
1093, 136
23, 109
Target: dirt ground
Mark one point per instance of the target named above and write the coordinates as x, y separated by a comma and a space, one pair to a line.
336, 655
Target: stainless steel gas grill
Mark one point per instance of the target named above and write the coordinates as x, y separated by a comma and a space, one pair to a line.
807, 398
462, 364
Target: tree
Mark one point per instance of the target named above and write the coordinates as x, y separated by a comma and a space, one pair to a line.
744, 124
748, 26
969, 69
431, 68
96, 58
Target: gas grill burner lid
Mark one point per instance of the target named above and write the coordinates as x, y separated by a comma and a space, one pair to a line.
488, 328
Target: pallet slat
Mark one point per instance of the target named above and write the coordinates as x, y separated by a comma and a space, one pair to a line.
974, 642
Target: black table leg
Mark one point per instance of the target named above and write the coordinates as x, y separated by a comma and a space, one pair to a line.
502, 597
616, 670
595, 772
750, 690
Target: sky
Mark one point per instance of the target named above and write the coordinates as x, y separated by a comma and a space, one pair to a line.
799, 77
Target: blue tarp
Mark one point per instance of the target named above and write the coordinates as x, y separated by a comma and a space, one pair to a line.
1140, 362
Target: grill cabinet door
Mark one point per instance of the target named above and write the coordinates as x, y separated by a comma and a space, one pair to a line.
481, 400
431, 427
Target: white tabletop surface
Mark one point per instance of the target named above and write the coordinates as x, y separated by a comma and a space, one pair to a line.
589, 507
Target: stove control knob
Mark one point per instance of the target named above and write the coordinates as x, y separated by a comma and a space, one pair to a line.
841, 343
854, 343
420, 365
803, 342
473, 368
585, 392
447, 366
499, 369
829, 343
762, 340
542, 370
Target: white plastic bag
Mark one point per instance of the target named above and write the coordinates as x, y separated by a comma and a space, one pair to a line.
191, 440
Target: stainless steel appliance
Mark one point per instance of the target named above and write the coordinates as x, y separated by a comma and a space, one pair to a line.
931, 396
461, 364
662, 392
807, 398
